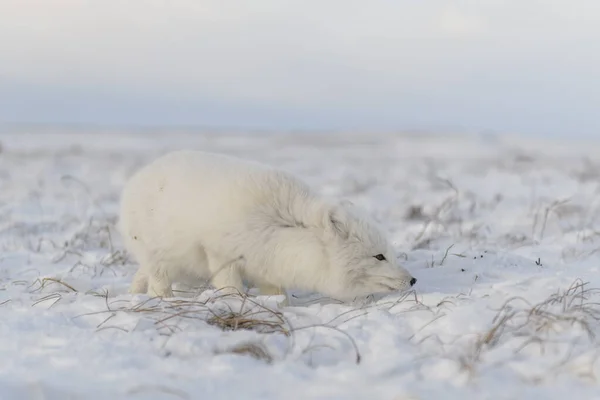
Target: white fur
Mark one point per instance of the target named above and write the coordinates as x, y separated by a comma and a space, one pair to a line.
192, 215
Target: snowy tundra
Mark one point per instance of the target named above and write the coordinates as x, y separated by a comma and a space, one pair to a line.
193, 215
502, 233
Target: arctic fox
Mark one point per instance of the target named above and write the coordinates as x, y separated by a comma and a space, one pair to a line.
192, 215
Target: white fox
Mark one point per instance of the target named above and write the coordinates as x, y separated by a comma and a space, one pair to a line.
196, 215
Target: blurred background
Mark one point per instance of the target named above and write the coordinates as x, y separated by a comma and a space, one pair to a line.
528, 67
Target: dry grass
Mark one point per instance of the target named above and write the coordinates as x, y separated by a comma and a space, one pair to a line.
446, 219
255, 350
562, 314
44, 282
227, 312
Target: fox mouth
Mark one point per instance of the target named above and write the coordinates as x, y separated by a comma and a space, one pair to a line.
388, 288
391, 284
382, 283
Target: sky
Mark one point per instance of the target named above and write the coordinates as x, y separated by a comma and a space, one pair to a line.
515, 66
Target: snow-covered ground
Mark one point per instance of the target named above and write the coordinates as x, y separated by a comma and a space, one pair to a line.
502, 234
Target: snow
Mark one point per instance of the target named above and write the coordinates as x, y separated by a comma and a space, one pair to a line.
502, 234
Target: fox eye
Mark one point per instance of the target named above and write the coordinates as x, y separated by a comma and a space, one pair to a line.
380, 257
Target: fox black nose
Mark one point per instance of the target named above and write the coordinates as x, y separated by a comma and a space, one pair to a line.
413, 281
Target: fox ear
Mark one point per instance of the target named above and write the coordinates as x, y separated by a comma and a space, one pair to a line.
336, 223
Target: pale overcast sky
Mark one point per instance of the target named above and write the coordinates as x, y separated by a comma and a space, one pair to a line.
521, 66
